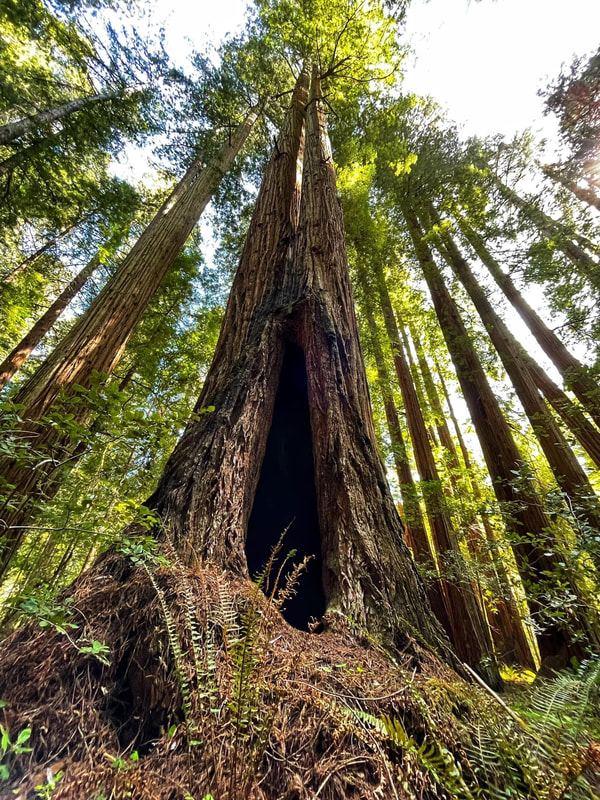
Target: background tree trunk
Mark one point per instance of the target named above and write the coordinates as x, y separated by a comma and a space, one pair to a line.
19, 355
568, 472
535, 549
574, 373
14, 130
97, 340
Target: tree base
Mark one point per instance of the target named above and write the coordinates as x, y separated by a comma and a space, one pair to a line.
208, 691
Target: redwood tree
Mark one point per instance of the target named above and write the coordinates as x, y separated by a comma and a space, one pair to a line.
97, 340
288, 356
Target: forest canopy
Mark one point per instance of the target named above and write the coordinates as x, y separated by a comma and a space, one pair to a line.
299, 426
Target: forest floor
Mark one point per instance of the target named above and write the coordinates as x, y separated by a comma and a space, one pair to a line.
174, 683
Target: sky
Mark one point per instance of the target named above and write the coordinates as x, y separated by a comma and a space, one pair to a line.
483, 61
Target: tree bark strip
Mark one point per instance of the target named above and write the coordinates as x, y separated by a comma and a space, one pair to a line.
18, 128
525, 519
574, 373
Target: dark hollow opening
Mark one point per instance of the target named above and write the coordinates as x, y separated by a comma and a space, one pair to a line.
286, 496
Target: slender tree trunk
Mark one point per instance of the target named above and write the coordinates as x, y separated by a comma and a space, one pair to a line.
420, 389
14, 130
97, 340
472, 641
416, 534
574, 373
568, 472
506, 621
534, 547
585, 195
19, 355
12, 274
552, 229
445, 437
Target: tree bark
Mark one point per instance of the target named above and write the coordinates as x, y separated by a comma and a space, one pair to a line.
19, 355
585, 195
472, 642
552, 229
415, 532
506, 621
292, 290
14, 130
445, 437
574, 373
534, 547
568, 472
97, 340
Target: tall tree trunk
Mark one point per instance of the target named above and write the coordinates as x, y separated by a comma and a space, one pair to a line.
585, 195
290, 307
535, 549
97, 340
551, 229
568, 472
435, 404
420, 389
290, 336
19, 355
506, 620
14, 130
12, 274
574, 373
472, 641
571, 413
416, 534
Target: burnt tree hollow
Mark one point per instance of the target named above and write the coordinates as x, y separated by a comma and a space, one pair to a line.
286, 496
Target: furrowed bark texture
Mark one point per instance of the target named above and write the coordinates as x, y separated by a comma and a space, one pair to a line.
14, 130
19, 355
573, 372
415, 532
472, 641
97, 340
506, 621
568, 472
292, 286
533, 545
